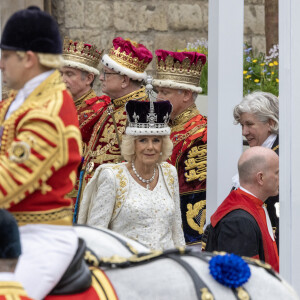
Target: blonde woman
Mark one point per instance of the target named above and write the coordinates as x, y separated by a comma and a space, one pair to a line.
139, 198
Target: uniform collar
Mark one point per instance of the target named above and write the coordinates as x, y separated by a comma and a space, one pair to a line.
90, 94
185, 116
139, 95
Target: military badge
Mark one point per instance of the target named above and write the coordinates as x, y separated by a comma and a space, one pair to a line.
19, 152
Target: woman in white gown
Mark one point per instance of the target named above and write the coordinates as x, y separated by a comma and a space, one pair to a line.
139, 198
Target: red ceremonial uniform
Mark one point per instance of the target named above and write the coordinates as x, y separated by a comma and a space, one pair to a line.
189, 156
89, 109
39, 154
89, 113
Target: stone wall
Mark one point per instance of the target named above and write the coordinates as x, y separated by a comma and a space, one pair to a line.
8, 7
168, 24
254, 24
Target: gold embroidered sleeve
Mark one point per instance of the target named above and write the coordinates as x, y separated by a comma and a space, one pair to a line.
39, 148
195, 164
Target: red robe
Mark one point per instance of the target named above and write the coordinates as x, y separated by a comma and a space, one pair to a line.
239, 199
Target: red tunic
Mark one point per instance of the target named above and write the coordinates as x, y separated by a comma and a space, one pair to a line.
239, 199
189, 156
39, 154
89, 109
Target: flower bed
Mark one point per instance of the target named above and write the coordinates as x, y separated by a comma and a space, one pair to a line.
260, 72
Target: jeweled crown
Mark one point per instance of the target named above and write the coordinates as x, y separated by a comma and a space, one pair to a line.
148, 118
184, 72
127, 60
81, 52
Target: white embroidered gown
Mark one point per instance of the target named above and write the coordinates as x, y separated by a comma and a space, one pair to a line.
150, 217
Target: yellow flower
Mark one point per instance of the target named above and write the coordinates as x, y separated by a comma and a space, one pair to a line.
271, 64
262, 64
256, 80
244, 72
277, 80
275, 62
272, 73
254, 60
248, 76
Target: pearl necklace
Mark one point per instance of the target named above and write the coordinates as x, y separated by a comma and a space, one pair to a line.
141, 178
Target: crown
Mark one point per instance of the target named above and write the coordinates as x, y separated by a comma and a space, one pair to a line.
127, 60
180, 70
81, 55
184, 72
148, 118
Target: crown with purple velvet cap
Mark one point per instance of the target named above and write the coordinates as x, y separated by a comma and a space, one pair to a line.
128, 58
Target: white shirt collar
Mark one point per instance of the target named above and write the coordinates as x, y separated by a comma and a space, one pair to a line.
268, 143
246, 191
26, 90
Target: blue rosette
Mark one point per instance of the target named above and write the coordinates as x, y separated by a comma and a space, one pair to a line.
230, 270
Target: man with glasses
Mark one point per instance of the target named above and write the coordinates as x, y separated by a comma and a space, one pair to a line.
177, 80
121, 78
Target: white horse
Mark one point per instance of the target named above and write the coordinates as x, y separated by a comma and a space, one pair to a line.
173, 276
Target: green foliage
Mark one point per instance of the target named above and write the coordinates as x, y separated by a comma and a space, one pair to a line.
260, 71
